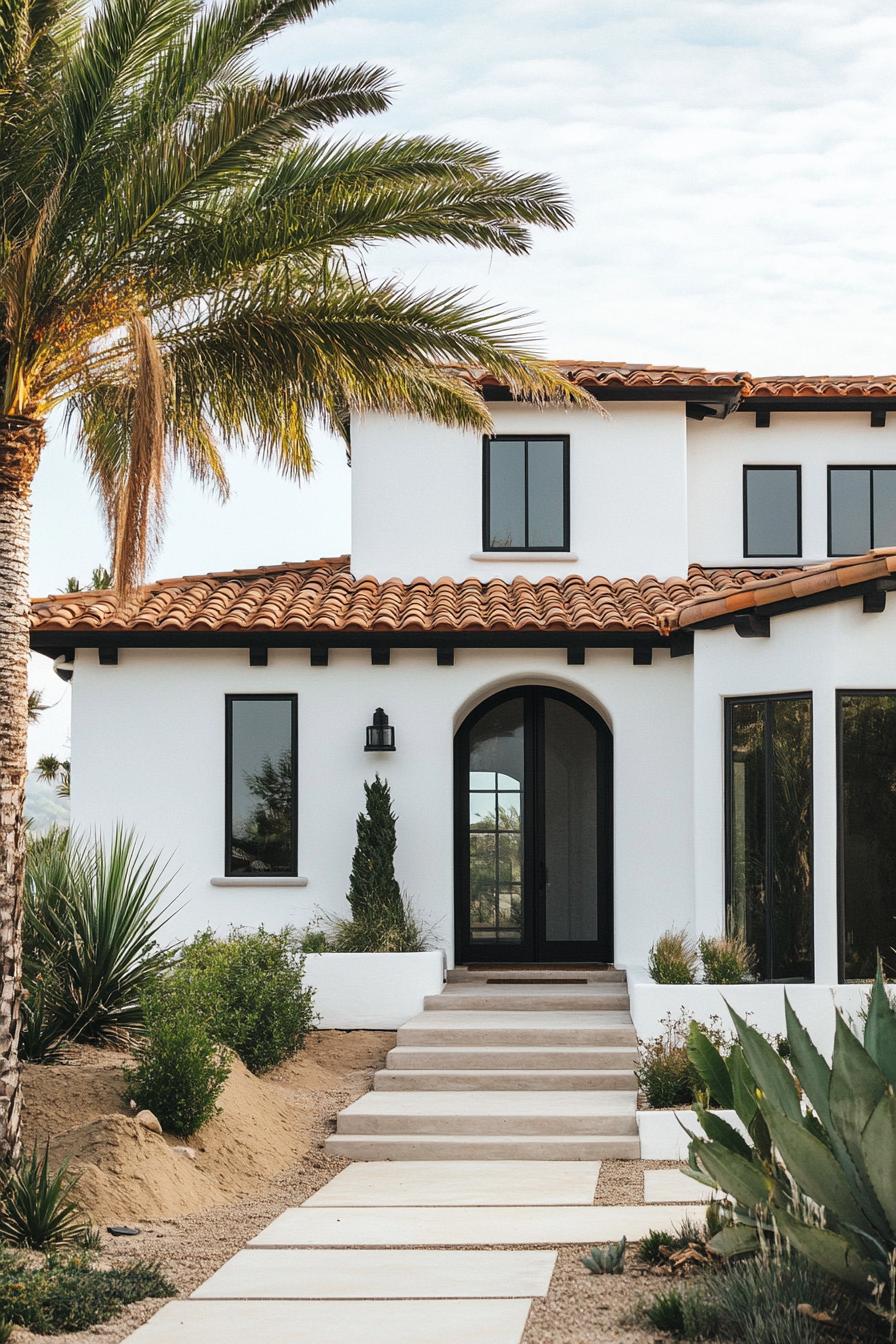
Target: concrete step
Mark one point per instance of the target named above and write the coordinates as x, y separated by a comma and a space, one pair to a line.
496, 1080
505, 1112
536, 974
510, 1027
518, 1057
485, 1147
529, 998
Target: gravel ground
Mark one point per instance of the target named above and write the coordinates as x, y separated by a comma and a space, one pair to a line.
193, 1247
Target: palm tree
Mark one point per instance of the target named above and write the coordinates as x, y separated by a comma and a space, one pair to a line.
182, 266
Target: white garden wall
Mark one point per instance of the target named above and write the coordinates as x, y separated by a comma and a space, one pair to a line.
374, 990
761, 1005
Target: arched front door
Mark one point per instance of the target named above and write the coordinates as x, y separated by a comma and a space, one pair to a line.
533, 838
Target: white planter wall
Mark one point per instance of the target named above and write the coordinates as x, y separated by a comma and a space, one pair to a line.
375, 990
761, 1005
665, 1136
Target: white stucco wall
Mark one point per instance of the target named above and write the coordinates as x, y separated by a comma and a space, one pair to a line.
719, 450
148, 750
417, 493
821, 650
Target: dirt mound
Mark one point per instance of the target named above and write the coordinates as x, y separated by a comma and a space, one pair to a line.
128, 1172
125, 1172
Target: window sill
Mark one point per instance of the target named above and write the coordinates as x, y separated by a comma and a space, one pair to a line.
249, 881
531, 557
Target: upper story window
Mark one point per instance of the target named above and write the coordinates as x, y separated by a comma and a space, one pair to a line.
772, 511
861, 509
261, 780
525, 492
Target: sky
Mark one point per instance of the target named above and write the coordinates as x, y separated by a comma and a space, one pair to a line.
732, 166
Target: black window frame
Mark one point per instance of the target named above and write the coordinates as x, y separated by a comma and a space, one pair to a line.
487, 441
229, 701
839, 696
871, 468
767, 701
773, 466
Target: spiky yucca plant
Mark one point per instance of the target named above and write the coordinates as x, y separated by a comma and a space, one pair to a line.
822, 1175
181, 267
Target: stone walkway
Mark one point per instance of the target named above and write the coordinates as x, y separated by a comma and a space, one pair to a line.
370, 1254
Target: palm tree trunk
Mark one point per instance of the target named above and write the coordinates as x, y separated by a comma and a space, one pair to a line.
21, 442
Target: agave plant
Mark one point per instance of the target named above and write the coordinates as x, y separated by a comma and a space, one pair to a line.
819, 1167
606, 1259
94, 912
36, 1208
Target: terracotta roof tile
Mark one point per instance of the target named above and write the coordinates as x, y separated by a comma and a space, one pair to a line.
784, 586
612, 374
321, 597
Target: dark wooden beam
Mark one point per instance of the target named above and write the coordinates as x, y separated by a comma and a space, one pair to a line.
258, 655
878, 418
750, 625
445, 655
874, 601
380, 655
575, 655
682, 645
695, 411
109, 655
319, 655
642, 655
763, 419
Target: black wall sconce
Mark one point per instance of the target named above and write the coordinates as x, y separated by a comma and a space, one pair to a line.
380, 734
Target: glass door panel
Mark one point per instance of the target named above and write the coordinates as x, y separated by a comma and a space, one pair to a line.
495, 793
571, 870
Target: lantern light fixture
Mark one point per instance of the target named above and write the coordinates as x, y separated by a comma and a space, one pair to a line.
380, 733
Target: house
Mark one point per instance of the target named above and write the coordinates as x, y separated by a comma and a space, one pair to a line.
625, 668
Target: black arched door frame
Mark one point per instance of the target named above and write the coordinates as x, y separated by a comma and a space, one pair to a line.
534, 947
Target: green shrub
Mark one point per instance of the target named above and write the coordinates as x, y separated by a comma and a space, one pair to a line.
93, 914
665, 1073
314, 940
684, 1312
248, 989
387, 930
727, 960
673, 959
71, 1294
36, 1208
758, 1300
180, 1068
657, 1246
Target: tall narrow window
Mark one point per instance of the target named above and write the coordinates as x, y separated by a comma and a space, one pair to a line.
769, 832
261, 770
772, 512
525, 487
861, 509
866, 799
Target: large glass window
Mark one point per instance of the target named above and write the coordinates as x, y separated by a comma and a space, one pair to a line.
261, 769
772, 518
867, 815
526, 493
769, 832
861, 509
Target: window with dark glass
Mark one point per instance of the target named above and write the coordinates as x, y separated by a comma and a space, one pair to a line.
772, 511
861, 509
525, 493
261, 770
866, 801
769, 832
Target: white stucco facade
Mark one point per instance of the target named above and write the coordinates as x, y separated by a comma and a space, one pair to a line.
650, 491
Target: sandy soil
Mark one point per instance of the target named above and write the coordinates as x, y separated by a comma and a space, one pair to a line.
88, 1095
